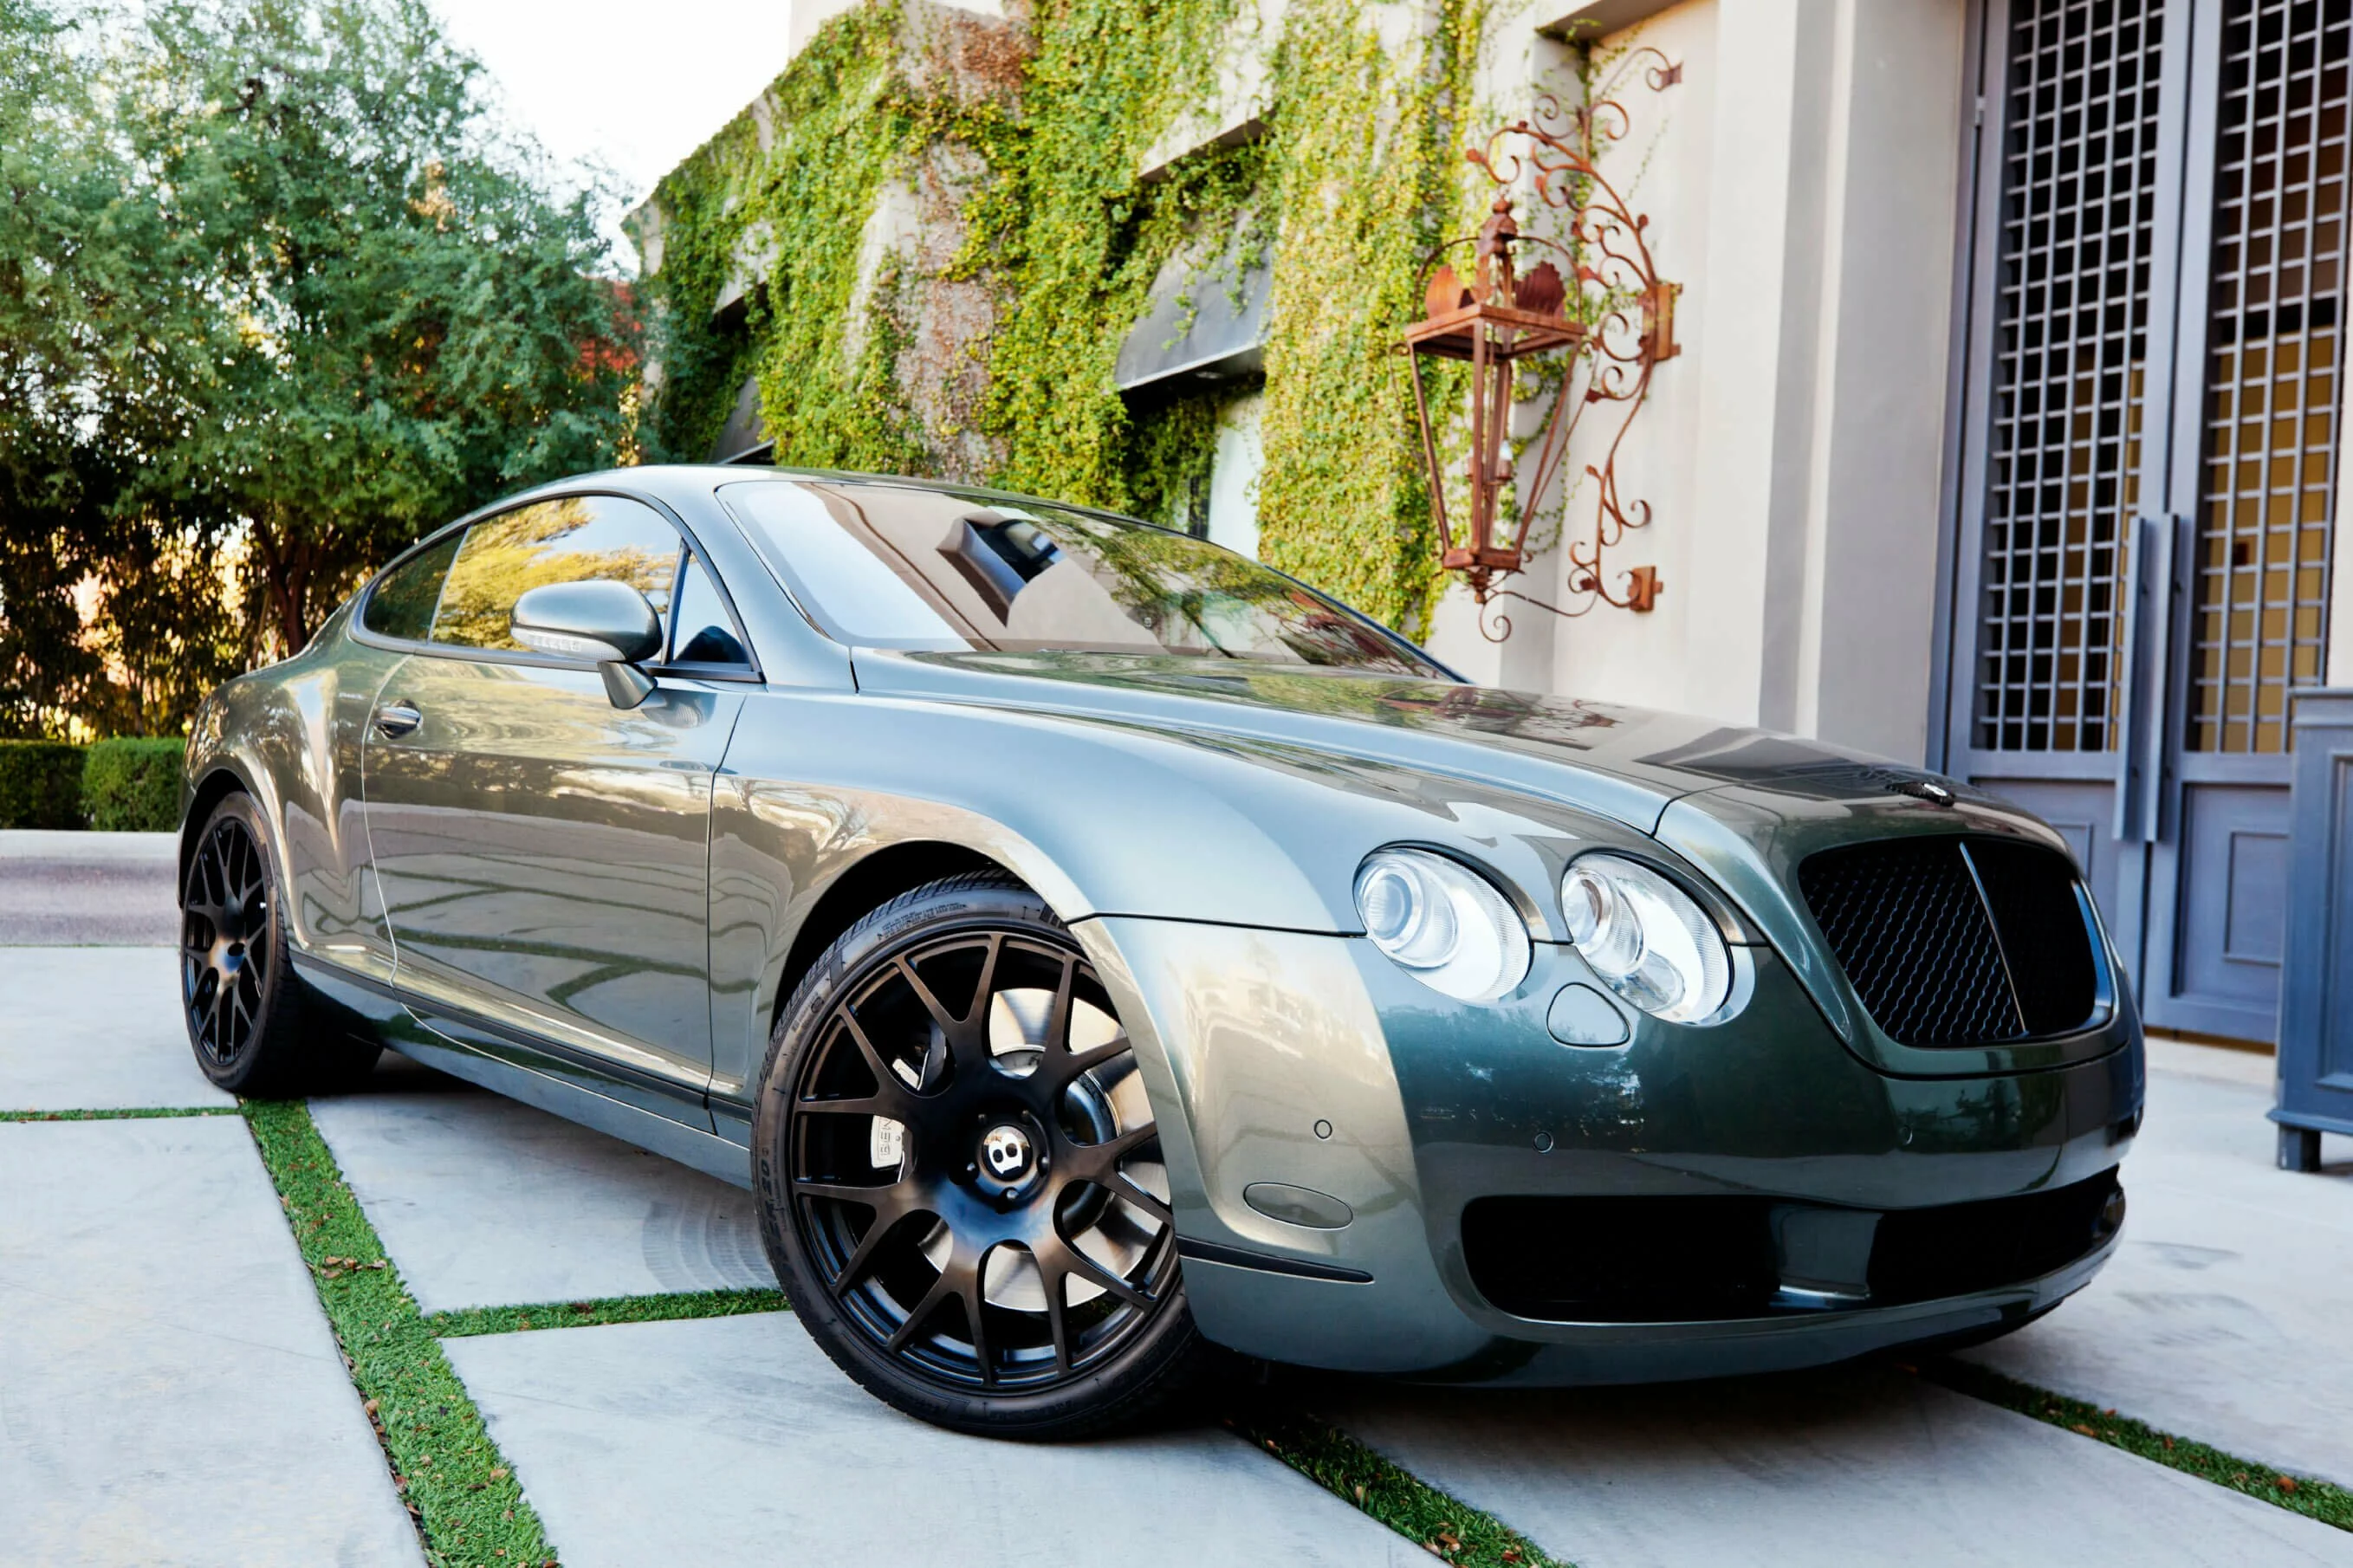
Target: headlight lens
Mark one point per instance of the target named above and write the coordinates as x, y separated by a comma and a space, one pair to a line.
1645, 939
1443, 922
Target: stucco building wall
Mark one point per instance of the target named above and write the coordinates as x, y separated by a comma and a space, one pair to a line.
1800, 183
1792, 454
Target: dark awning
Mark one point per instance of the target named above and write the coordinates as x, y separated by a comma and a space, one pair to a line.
1206, 319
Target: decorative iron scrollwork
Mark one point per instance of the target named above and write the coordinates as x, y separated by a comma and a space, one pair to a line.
1614, 324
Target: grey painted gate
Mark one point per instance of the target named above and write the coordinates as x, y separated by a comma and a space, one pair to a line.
2147, 449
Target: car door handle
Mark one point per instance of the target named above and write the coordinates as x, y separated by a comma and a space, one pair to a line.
394, 720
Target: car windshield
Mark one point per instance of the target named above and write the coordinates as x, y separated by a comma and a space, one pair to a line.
880, 566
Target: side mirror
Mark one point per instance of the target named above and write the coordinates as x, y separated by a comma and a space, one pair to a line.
609, 621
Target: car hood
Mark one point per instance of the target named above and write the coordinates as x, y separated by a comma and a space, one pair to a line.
1627, 762
1742, 805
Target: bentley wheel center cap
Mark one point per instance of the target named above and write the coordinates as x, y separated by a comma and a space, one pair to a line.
1006, 1155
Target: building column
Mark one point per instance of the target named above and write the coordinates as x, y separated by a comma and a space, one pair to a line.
1822, 422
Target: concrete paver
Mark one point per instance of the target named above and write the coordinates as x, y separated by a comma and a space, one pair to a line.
95, 1028
76, 887
484, 1202
169, 1390
2222, 1315
735, 1440
2249, 1067
1860, 1465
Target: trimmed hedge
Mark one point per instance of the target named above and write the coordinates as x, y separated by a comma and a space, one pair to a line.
127, 785
40, 785
132, 784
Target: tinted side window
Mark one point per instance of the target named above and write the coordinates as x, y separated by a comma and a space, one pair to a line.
704, 634
576, 539
404, 599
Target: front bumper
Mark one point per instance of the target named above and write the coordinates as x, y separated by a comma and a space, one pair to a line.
1290, 1062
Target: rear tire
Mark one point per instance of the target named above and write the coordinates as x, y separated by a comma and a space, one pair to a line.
256, 1029
1024, 1196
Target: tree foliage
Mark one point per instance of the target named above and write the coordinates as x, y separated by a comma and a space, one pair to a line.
278, 292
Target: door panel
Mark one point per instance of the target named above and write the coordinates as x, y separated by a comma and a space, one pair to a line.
2234, 844
2328, 828
544, 855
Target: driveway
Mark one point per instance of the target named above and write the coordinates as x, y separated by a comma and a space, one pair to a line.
222, 1348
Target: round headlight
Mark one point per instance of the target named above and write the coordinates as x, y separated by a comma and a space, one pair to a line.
1442, 922
1645, 939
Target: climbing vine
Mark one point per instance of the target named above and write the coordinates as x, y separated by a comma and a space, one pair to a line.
790, 183
1027, 145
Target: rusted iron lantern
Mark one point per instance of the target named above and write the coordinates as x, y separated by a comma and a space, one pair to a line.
1601, 307
1500, 319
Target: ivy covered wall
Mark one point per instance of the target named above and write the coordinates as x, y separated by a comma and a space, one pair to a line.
940, 230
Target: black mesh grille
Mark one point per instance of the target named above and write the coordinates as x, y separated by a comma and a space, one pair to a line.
2030, 893
1956, 941
1907, 925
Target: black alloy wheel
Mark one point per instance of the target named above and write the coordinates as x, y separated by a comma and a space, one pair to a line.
963, 1190
225, 930
254, 1028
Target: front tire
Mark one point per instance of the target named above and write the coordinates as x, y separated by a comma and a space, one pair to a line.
253, 1027
959, 1173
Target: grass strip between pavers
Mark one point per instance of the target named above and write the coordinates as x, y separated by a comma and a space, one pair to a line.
458, 1486
1443, 1525
463, 1321
2323, 1500
135, 1113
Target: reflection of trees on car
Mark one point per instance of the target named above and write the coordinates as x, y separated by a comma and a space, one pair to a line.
508, 556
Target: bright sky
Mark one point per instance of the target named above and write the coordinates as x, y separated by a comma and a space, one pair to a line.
633, 87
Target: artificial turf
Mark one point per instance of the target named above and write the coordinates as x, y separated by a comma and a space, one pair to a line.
457, 1485
135, 1113
1443, 1525
468, 1321
2323, 1500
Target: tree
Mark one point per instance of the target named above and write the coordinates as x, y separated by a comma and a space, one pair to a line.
56, 479
277, 293
401, 322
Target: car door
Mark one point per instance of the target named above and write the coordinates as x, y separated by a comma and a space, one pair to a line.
543, 854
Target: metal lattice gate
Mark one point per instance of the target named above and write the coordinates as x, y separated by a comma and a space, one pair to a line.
2274, 395
2149, 442
2070, 364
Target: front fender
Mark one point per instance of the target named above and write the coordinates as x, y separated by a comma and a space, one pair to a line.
289, 736
1266, 1062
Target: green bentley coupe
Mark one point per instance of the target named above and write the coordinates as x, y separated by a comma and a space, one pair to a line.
1100, 953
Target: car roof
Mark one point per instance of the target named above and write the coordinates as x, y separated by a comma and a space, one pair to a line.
673, 482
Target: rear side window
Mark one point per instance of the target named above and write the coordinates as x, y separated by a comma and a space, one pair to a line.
404, 599
579, 539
